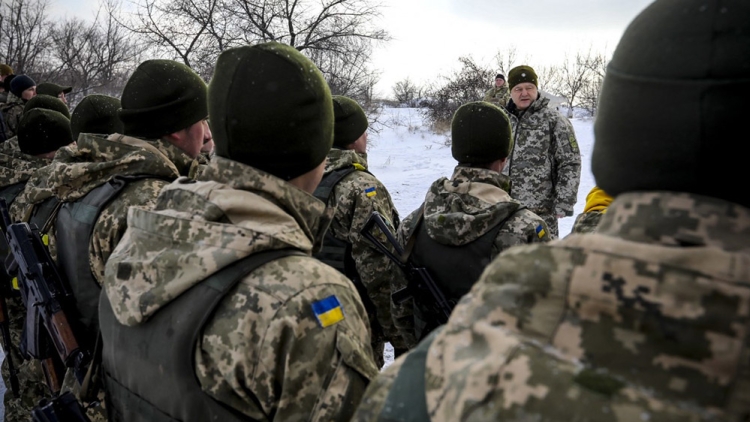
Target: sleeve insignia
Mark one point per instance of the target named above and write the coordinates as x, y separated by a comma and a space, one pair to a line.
328, 311
371, 191
540, 231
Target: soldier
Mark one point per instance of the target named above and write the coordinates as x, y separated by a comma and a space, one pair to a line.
5, 71
597, 202
22, 88
498, 94
96, 114
354, 193
163, 116
238, 316
54, 90
467, 220
644, 320
545, 163
41, 133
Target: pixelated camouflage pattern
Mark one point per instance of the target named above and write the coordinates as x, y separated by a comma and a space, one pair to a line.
545, 163
15, 166
462, 209
31, 388
263, 352
353, 209
498, 96
586, 222
12, 111
647, 319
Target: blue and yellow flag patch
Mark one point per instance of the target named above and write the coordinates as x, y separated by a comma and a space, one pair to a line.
370, 192
540, 231
328, 311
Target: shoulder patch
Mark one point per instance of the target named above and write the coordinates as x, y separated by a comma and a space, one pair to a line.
328, 311
359, 167
540, 231
573, 142
371, 191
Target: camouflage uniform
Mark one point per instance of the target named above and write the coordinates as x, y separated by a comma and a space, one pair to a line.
12, 110
17, 167
644, 320
460, 210
354, 205
545, 163
498, 95
597, 202
586, 222
262, 352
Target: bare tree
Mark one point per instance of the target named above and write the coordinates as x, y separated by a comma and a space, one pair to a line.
406, 92
506, 60
573, 77
589, 97
24, 33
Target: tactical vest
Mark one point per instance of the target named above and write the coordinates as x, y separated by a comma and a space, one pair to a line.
338, 253
455, 269
149, 369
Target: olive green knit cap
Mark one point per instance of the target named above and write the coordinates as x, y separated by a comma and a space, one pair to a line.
47, 102
96, 114
480, 133
53, 89
41, 131
270, 108
521, 74
351, 121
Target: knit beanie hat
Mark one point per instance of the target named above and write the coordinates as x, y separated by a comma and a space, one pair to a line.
672, 107
481, 133
162, 97
351, 121
521, 74
500, 76
41, 131
96, 114
271, 109
49, 103
20, 84
5, 70
49, 88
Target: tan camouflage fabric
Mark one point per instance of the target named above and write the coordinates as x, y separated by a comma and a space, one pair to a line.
586, 222
12, 111
263, 352
498, 96
645, 320
545, 163
353, 207
15, 166
462, 209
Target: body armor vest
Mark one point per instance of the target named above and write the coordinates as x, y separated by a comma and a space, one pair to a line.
149, 369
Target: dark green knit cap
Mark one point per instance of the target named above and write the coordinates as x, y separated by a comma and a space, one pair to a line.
271, 109
96, 114
521, 74
49, 88
480, 133
49, 103
162, 97
41, 131
672, 109
351, 121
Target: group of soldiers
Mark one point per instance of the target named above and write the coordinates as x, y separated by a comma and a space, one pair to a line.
219, 243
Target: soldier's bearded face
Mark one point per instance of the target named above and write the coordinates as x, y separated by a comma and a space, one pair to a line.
523, 95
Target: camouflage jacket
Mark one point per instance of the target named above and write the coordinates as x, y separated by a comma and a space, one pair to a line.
586, 222
12, 111
545, 163
498, 96
462, 209
263, 352
96, 159
15, 166
354, 199
647, 319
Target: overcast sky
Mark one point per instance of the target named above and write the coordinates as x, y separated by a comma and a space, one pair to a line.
430, 35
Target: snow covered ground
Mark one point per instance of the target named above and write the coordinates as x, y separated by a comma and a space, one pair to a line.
407, 158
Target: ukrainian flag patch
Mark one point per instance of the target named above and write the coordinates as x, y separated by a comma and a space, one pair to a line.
328, 311
370, 192
540, 231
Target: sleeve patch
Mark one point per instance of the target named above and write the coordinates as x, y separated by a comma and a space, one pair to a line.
573, 143
328, 311
371, 191
540, 231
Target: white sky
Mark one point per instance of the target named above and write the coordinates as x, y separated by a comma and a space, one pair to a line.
430, 35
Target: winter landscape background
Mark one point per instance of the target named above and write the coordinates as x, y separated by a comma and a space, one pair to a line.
407, 157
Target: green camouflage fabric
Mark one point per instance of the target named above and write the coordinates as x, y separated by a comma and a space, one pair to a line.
462, 209
263, 352
545, 163
498, 96
12, 110
586, 222
645, 320
353, 207
17, 167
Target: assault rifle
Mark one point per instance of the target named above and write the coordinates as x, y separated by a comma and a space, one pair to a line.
420, 282
47, 299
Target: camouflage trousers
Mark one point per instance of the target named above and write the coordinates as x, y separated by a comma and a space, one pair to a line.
95, 408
